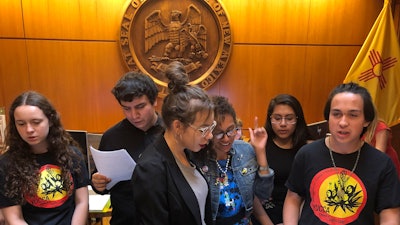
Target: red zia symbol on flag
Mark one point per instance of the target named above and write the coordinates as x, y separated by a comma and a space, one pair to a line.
378, 66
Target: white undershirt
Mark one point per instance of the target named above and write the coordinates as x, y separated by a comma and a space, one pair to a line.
198, 185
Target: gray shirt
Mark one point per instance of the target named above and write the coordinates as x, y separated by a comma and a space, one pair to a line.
197, 183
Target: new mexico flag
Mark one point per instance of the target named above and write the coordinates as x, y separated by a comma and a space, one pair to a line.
377, 67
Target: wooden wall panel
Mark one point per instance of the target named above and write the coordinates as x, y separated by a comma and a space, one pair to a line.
72, 55
396, 16
342, 22
307, 72
325, 68
302, 22
78, 78
66, 19
267, 71
11, 19
269, 21
14, 71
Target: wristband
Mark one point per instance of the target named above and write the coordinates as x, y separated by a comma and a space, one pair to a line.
263, 168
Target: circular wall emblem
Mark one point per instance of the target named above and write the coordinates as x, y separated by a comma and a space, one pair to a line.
156, 32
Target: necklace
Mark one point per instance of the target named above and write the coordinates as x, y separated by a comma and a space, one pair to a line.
222, 180
342, 177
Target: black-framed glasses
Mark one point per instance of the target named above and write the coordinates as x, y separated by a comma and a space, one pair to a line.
205, 130
277, 119
228, 133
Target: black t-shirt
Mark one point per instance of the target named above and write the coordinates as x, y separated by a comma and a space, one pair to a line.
124, 135
51, 204
281, 161
335, 195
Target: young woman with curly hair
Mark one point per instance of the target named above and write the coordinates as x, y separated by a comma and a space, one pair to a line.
43, 177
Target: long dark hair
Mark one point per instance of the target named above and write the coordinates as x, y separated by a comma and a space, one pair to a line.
21, 166
300, 135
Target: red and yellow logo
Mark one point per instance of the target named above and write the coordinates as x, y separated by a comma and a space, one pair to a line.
51, 191
337, 196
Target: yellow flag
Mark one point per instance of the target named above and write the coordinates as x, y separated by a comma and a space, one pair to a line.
377, 67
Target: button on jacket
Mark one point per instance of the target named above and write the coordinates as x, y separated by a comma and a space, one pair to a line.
244, 166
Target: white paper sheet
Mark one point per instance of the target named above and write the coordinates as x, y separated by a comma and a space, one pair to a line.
99, 203
117, 165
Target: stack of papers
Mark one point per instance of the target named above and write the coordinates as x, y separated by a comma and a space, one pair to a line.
99, 203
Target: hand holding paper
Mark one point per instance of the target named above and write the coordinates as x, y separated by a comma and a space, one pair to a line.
117, 165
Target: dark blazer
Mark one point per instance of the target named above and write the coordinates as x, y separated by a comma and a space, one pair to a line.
161, 193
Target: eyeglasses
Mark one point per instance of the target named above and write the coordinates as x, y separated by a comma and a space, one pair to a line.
276, 119
229, 133
205, 130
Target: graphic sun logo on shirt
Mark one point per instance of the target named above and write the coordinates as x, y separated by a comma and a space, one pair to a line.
337, 196
51, 191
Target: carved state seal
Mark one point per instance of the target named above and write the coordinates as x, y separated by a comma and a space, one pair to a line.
156, 32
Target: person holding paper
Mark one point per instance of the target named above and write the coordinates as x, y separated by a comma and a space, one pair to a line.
167, 187
43, 176
137, 95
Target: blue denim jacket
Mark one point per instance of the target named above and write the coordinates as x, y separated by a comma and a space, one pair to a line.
244, 166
